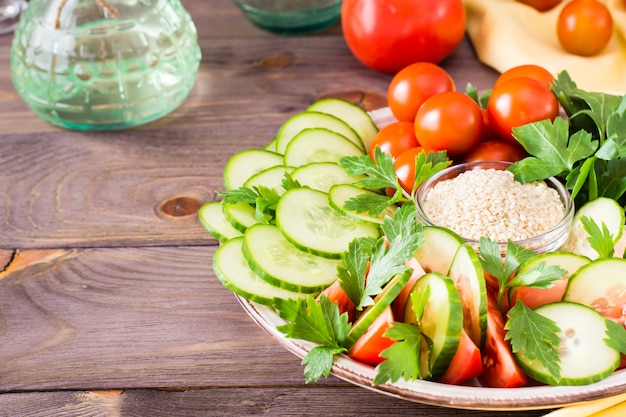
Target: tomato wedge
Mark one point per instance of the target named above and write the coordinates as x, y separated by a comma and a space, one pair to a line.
466, 362
368, 347
336, 294
400, 302
499, 367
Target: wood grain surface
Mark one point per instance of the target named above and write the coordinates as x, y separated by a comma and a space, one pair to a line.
108, 302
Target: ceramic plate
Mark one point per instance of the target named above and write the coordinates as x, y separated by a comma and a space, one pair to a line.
454, 396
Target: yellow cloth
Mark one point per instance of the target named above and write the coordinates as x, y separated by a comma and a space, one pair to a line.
506, 33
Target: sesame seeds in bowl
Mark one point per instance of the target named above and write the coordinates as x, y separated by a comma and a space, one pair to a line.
484, 199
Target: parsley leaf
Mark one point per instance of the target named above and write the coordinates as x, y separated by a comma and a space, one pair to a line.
378, 175
600, 239
536, 336
615, 336
318, 322
402, 357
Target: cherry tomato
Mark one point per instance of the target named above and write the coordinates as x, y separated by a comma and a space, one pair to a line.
536, 72
404, 167
388, 35
466, 362
410, 87
496, 150
368, 347
336, 294
499, 367
394, 139
449, 121
519, 101
584, 27
541, 5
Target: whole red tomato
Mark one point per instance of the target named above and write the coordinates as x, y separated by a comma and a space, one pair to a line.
517, 102
413, 84
495, 150
394, 139
584, 27
449, 121
533, 71
388, 35
404, 166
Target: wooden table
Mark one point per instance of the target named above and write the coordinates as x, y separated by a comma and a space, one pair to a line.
108, 303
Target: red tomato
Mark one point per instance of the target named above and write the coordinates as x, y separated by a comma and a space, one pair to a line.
405, 168
394, 139
541, 5
368, 347
388, 35
496, 150
449, 121
410, 87
584, 27
336, 294
400, 302
466, 362
535, 72
520, 101
499, 367
535, 297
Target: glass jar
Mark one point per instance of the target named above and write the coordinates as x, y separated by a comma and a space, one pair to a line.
104, 64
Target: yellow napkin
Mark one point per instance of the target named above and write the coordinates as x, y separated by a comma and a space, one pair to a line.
605, 407
506, 33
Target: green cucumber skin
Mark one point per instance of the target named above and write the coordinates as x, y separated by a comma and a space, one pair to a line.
337, 203
212, 219
595, 280
536, 371
252, 161
430, 254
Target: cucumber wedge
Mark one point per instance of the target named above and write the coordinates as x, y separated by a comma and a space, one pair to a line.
244, 164
600, 284
270, 177
440, 246
313, 119
212, 218
350, 113
584, 356
600, 210
381, 302
441, 323
322, 175
306, 219
233, 271
281, 264
467, 273
319, 145
341, 193
239, 215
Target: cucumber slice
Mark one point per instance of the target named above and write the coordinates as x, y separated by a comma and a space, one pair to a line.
440, 246
534, 297
341, 193
601, 285
281, 264
318, 145
600, 210
233, 271
271, 145
381, 302
313, 119
322, 175
244, 164
212, 218
584, 356
307, 220
271, 178
350, 113
467, 273
239, 215
441, 322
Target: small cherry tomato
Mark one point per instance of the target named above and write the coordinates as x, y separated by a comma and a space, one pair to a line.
410, 87
404, 167
394, 139
535, 72
541, 5
584, 27
496, 150
517, 102
449, 121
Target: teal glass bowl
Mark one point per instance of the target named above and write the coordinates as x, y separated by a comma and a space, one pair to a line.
291, 17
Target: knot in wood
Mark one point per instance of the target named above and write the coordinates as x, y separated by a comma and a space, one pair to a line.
180, 207
275, 62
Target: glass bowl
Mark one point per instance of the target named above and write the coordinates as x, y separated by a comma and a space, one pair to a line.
547, 241
291, 17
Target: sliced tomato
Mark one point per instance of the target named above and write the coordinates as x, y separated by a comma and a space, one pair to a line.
400, 302
499, 367
535, 297
336, 294
368, 347
466, 362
